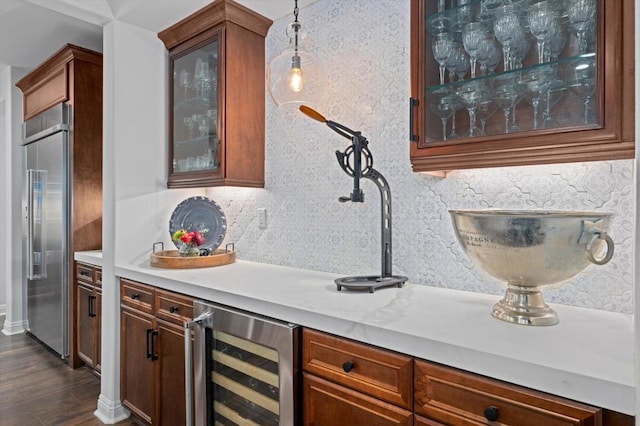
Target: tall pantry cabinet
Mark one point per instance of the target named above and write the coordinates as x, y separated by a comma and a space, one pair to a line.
74, 75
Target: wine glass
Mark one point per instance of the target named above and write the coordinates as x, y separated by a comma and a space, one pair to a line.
473, 34
486, 108
191, 125
440, 22
543, 19
488, 55
535, 84
185, 81
581, 16
471, 93
442, 47
556, 43
506, 92
582, 83
452, 61
444, 107
507, 28
462, 63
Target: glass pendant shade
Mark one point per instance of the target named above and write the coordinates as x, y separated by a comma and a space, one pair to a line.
293, 77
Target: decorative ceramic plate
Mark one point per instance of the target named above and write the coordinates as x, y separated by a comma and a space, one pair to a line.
200, 214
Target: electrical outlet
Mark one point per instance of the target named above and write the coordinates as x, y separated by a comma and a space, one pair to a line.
262, 218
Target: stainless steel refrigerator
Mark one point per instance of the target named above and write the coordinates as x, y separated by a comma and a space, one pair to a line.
47, 202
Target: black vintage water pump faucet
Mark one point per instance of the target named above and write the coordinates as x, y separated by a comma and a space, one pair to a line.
364, 169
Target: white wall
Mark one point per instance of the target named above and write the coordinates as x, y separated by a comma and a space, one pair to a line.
11, 160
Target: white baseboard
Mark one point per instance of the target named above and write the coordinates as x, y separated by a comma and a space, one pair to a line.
17, 327
110, 412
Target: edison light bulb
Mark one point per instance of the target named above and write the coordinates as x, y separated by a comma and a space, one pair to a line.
295, 80
295, 76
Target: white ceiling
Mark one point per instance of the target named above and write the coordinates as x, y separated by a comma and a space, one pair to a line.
32, 30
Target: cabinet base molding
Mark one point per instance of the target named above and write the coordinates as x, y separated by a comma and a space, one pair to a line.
11, 328
110, 412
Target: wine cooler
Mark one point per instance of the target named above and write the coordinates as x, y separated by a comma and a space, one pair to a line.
245, 368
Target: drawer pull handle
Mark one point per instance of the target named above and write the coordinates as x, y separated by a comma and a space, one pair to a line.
135, 296
348, 366
491, 413
173, 309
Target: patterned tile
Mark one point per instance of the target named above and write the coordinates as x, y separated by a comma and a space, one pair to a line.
364, 47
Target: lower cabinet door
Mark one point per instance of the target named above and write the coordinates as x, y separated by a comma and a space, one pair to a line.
170, 389
139, 351
329, 404
85, 324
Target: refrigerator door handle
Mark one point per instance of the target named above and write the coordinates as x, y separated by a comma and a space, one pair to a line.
36, 225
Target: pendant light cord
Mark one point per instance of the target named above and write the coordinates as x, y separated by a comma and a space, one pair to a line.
296, 26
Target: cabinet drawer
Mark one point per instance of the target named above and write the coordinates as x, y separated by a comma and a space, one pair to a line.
173, 307
452, 396
328, 404
136, 295
377, 372
84, 273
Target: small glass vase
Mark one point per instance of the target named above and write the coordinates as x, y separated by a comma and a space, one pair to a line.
188, 250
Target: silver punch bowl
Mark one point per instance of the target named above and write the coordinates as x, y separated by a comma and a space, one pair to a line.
531, 249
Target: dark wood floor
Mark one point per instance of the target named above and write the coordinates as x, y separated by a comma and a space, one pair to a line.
37, 388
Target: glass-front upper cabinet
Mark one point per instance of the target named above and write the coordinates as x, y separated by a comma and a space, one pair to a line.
511, 82
217, 97
195, 146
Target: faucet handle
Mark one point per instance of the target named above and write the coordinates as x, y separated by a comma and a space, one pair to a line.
344, 199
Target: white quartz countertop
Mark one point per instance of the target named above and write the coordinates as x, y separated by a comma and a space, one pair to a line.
588, 357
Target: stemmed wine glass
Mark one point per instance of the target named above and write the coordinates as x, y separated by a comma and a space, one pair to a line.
440, 22
543, 19
486, 108
582, 83
581, 16
505, 93
488, 55
185, 81
473, 34
556, 43
442, 47
471, 93
507, 28
444, 107
535, 83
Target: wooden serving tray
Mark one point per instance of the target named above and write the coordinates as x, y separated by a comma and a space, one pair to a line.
171, 259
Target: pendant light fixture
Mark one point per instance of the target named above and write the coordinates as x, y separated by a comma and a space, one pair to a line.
293, 77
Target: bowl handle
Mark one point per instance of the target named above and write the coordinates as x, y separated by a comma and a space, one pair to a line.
599, 235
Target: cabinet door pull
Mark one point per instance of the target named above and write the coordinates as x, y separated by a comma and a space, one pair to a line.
91, 312
173, 309
149, 343
135, 296
491, 413
413, 102
154, 355
348, 366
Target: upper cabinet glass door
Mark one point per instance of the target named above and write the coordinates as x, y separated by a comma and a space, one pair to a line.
195, 145
510, 76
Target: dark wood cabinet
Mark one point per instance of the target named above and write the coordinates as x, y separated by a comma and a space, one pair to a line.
153, 363
137, 363
454, 397
74, 75
347, 382
88, 314
609, 112
217, 97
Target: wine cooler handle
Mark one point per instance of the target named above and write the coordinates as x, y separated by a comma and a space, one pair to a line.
188, 363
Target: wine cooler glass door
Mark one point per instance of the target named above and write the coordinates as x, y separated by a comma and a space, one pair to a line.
245, 369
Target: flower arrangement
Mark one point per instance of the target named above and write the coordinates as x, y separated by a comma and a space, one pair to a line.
190, 241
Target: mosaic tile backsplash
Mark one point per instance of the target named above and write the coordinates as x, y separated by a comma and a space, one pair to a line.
364, 47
